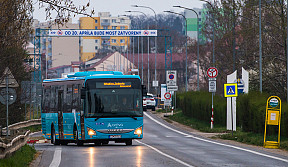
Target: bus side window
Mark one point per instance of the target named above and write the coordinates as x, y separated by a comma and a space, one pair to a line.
53, 99
76, 99
69, 98
56, 98
46, 99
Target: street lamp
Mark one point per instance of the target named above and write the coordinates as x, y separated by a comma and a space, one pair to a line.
148, 88
197, 42
155, 41
186, 87
213, 40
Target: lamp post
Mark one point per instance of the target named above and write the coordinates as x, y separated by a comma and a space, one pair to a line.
213, 38
148, 88
287, 55
128, 47
197, 42
186, 87
260, 48
155, 41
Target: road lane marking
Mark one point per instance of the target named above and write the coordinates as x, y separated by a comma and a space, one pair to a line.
221, 144
57, 158
166, 155
177, 131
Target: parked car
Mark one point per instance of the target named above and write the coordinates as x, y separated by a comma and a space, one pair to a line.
149, 102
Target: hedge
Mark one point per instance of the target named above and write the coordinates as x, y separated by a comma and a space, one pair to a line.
251, 110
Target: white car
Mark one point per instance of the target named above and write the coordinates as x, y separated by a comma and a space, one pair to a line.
149, 102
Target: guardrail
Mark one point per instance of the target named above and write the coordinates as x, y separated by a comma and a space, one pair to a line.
25, 124
19, 141
14, 145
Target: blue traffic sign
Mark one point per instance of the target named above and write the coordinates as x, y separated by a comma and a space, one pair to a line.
230, 90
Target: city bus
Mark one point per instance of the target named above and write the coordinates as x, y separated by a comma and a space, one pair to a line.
93, 107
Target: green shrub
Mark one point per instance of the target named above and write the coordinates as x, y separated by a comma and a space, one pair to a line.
251, 110
198, 105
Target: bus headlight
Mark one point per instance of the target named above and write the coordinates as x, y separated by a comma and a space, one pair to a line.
138, 131
91, 131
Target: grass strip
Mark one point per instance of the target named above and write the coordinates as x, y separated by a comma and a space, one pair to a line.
20, 158
34, 128
239, 136
196, 124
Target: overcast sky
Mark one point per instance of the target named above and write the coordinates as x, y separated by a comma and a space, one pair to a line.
118, 7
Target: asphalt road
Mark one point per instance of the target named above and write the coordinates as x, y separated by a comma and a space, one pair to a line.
162, 145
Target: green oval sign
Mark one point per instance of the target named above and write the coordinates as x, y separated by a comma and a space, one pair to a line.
273, 102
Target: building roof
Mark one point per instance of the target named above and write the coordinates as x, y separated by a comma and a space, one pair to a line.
99, 62
176, 57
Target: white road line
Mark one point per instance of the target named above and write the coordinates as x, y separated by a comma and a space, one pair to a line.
166, 155
208, 141
57, 158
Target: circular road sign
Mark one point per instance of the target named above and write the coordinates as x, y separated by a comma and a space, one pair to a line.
11, 96
212, 72
273, 102
167, 96
171, 76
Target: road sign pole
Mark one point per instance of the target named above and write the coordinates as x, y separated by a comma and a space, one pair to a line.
232, 114
212, 117
175, 101
7, 109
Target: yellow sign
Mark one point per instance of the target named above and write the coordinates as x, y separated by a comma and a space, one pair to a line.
230, 90
273, 117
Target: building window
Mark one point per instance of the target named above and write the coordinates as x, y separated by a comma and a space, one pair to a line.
114, 27
96, 40
113, 20
96, 21
199, 13
200, 26
122, 21
122, 40
105, 42
113, 40
122, 27
199, 19
105, 27
96, 47
122, 47
105, 21
96, 27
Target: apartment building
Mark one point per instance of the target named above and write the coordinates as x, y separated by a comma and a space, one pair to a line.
192, 23
58, 51
90, 46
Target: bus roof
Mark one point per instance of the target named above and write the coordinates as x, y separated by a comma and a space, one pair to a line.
92, 75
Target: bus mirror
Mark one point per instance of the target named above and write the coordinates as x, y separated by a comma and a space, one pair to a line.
83, 93
144, 91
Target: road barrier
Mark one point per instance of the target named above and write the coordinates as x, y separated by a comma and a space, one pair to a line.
14, 145
18, 141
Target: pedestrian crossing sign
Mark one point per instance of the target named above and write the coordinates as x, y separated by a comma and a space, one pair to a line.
230, 90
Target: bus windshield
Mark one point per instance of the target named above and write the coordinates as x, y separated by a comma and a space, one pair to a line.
113, 101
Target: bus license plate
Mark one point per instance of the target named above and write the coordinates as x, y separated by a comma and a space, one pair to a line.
115, 136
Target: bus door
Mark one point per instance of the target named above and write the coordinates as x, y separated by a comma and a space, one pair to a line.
60, 113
